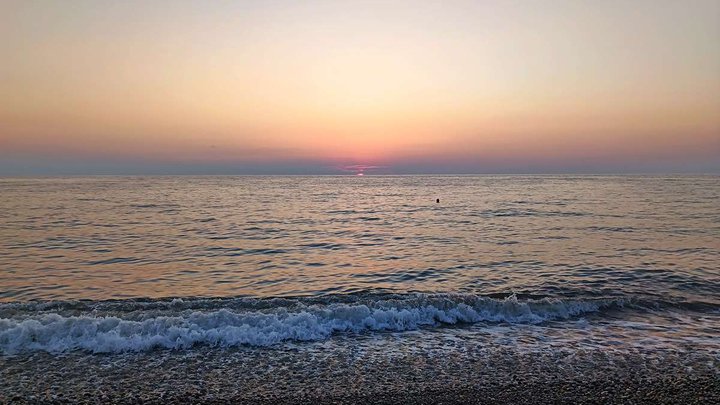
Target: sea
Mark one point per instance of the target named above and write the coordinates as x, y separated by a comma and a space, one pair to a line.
346, 270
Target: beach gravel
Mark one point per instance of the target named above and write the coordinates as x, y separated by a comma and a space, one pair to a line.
321, 374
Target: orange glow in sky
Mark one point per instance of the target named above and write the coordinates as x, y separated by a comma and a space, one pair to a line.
312, 86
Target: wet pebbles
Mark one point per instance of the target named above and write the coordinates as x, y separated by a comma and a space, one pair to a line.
389, 371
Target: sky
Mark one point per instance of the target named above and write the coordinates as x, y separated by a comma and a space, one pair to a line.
373, 87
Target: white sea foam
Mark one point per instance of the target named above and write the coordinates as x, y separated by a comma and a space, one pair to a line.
53, 332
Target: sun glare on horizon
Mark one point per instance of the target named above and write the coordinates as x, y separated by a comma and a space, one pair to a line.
422, 86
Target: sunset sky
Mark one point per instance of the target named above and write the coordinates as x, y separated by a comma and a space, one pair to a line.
300, 87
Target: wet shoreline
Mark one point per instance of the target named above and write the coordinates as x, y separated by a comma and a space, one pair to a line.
391, 372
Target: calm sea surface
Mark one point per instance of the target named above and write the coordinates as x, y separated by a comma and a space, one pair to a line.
113, 264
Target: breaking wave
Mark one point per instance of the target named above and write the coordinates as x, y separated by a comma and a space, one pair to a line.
178, 324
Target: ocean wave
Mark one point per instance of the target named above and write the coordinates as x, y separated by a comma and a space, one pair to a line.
135, 325
180, 326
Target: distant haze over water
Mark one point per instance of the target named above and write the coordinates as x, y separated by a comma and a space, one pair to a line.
423, 87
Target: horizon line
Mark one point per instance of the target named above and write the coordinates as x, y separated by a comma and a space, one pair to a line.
589, 174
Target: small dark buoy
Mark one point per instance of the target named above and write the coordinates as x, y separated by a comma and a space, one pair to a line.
437, 201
